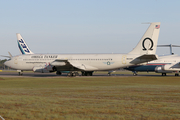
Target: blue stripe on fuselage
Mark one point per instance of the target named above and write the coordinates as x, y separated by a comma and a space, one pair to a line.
142, 68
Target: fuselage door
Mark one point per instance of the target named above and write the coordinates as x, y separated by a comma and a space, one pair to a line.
124, 59
16, 60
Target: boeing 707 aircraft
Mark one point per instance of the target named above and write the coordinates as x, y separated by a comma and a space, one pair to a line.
86, 63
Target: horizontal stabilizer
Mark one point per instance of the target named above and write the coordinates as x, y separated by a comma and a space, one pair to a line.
149, 57
168, 45
144, 58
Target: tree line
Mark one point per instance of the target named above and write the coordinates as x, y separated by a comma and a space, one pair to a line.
2, 66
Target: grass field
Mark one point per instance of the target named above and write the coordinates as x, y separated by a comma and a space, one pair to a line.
89, 98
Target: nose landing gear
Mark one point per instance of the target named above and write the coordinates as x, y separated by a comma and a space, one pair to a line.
134, 73
20, 72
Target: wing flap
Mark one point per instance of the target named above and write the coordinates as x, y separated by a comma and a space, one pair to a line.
64, 63
83, 66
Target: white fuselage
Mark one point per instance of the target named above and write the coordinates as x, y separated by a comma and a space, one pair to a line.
143, 52
91, 62
170, 59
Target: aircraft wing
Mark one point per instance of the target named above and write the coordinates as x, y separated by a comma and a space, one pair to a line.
83, 66
60, 62
10, 56
63, 63
144, 58
5, 56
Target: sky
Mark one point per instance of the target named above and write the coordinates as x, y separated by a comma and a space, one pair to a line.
82, 26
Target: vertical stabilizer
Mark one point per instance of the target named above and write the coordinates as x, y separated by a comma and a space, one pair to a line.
23, 47
148, 43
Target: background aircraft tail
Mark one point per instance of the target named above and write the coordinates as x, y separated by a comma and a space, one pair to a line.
23, 47
148, 43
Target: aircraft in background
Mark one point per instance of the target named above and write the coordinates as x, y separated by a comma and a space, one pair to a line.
172, 65
170, 46
164, 64
86, 63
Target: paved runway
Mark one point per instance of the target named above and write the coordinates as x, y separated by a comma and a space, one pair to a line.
28, 74
53, 75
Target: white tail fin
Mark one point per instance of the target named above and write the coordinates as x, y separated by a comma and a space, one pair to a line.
23, 47
148, 43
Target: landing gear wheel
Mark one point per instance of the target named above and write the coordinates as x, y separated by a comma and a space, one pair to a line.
76, 74
69, 74
176, 74
20, 73
73, 74
135, 74
83, 73
58, 73
163, 74
87, 73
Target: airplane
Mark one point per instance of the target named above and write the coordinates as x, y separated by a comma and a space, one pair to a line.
170, 46
160, 65
164, 64
86, 63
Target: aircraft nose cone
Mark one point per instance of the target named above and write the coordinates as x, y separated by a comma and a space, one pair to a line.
6, 63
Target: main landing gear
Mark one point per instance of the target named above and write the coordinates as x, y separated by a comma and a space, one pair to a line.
90, 73
176, 74
73, 74
164, 74
58, 73
109, 72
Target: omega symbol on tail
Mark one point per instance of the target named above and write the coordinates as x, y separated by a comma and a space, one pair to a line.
143, 44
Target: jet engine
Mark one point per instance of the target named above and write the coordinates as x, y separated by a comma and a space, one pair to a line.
56, 63
41, 69
159, 69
